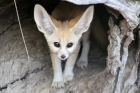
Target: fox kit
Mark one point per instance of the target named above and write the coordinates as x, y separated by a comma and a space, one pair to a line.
63, 31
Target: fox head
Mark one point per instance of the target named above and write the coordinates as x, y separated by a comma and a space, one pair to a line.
62, 37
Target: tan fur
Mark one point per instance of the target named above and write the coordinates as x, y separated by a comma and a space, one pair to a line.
67, 23
65, 26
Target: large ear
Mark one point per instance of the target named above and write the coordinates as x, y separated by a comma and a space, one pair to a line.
43, 21
84, 22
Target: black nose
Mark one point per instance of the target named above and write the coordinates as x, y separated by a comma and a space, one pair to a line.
63, 56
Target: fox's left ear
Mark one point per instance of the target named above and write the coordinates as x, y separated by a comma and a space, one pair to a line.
84, 22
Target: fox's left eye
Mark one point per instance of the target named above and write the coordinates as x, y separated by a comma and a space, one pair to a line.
69, 45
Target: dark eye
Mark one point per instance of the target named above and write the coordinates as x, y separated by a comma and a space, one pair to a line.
69, 45
56, 44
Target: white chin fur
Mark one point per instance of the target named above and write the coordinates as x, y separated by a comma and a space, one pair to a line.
63, 59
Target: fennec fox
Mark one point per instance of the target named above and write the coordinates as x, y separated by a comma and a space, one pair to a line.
63, 31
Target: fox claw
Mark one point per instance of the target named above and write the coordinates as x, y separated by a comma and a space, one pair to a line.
59, 84
82, 64
68, 78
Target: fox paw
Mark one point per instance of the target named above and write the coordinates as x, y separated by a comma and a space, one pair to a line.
68, 78
58, 84
82, 63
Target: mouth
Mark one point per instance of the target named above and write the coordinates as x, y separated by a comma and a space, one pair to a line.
63, 60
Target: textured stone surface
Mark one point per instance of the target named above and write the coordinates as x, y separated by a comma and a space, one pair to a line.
130, 9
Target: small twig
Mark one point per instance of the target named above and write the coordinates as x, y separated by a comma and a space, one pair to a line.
23, 38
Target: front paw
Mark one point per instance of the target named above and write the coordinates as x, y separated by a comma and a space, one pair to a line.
82, 63
58, 84
68, 77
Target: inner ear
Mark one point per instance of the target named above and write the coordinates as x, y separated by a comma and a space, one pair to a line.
43, 20
84, 22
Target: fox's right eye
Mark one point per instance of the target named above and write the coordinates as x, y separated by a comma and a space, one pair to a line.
57, 44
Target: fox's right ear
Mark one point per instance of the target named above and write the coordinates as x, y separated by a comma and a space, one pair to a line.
43, 20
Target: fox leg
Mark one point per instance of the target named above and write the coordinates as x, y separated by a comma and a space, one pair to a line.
68, 71
83, 60
57, 70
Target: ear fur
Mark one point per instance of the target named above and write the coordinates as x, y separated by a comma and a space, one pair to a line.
43, 20
84, 22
